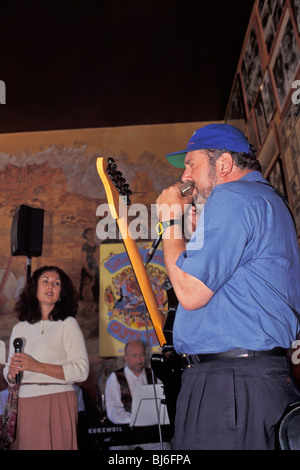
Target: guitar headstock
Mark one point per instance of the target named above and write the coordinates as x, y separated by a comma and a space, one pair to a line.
115, 185
117, 193
118, 181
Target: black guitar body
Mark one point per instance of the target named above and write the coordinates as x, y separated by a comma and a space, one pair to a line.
167, 365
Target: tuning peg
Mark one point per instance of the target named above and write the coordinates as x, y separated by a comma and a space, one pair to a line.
116, 176
120, 183
118, 180
110, 163
121, 188
128, 192
111, 168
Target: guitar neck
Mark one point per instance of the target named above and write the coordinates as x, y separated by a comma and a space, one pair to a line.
119, 213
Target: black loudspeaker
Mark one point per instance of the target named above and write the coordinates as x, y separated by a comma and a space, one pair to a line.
26, 235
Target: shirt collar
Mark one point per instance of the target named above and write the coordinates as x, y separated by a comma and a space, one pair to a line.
132, 374
252, 176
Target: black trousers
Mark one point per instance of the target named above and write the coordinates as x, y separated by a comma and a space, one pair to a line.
233, 404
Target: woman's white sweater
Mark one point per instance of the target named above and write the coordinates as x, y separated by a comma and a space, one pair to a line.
52, 342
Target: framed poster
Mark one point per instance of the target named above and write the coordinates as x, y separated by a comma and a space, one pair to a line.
267, 96
260, 118
236, 114
251, 68
285, 59
289, 139
296, 11
292, 166
297, 219
276, 177
289, 164
270, 14
122, 313
269, 150
297, 131
290, 123
252, 131
295, 190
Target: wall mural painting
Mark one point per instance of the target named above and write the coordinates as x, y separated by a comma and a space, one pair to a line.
56, 171
49, 180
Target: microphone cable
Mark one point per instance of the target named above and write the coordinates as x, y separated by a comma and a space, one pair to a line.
153, 380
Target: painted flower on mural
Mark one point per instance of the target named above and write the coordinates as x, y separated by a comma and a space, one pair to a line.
124, 299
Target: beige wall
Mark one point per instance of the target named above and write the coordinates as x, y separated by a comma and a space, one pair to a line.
56, 171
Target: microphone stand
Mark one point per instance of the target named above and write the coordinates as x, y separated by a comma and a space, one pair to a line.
28, 273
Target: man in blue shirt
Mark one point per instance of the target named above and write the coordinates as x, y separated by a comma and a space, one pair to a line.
238, 286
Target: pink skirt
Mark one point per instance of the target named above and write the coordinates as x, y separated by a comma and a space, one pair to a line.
47, 422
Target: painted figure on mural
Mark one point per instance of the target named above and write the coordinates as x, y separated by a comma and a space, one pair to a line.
89, 283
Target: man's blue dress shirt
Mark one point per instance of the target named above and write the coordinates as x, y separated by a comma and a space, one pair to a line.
245, 250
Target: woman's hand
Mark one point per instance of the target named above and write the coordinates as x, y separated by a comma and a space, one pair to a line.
21, 361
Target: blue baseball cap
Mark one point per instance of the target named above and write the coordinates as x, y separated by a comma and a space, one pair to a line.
213, 136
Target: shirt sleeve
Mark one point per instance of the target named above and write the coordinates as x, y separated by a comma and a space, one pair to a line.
218, 245
115, 410
76, 367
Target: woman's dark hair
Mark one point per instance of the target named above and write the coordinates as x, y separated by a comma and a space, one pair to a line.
242, 160
27, 305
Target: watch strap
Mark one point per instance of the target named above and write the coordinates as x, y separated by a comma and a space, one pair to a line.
162, 226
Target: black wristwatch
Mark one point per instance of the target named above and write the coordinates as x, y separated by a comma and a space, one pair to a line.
162, 226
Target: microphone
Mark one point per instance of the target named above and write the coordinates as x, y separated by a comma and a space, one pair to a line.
18, 343
153, 249
185, 189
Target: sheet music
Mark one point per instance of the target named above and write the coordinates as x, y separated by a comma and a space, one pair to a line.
144, 411
2, 352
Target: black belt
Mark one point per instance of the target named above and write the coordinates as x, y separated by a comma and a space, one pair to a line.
189, 360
